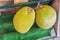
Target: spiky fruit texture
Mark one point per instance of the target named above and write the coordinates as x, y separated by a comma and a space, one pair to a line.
24, 19
45, 16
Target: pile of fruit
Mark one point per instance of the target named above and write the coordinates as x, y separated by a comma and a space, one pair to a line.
26, 16
28, 23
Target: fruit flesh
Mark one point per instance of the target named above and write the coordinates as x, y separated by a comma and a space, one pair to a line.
45, 17
24, 19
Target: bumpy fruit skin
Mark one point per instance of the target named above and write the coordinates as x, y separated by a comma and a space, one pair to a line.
45, 17
24, 19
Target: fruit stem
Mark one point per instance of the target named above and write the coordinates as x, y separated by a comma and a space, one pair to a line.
28, 10
39, 5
